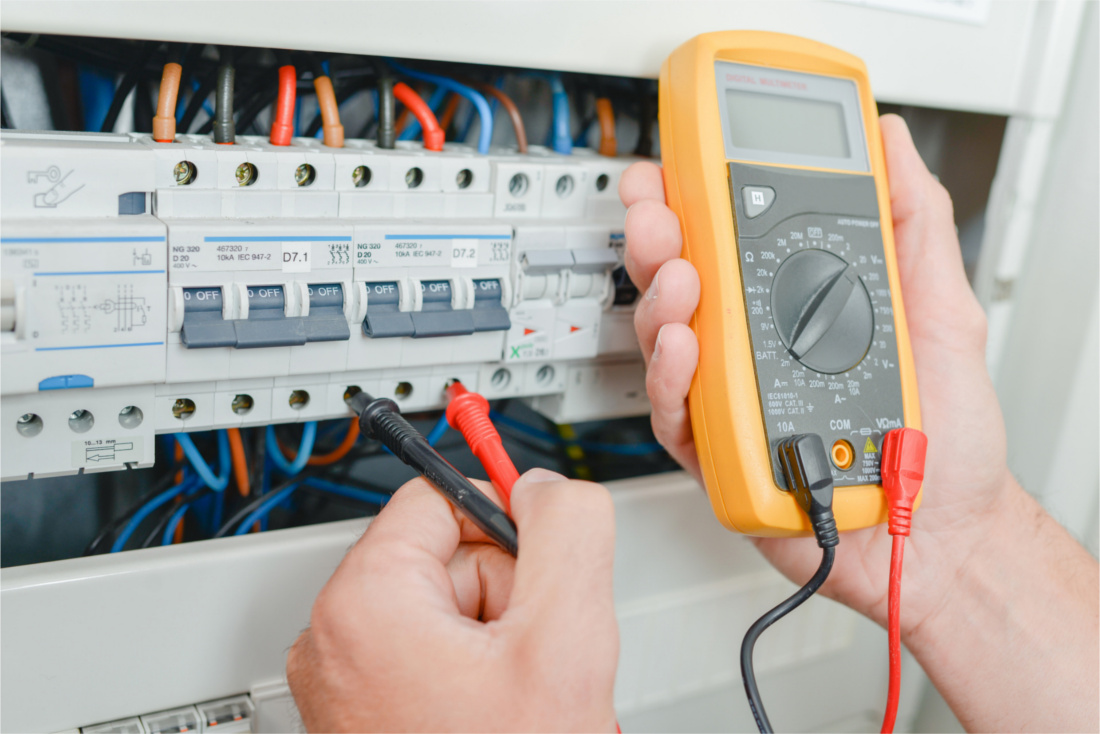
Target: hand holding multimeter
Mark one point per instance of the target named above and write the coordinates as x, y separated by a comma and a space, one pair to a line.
790, 232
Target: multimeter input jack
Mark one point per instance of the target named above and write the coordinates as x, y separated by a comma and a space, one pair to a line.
842, 454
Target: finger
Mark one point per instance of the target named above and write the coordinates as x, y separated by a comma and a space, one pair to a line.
563, 576
482, 575
643, 180
668, 381
652, 238
672, 297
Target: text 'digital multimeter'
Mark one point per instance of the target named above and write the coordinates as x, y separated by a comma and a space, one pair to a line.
774, 164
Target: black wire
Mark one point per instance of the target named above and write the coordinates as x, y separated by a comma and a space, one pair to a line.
249, 508
111, 528
783, 609
166, 514
125, 86
225, 130
387, 104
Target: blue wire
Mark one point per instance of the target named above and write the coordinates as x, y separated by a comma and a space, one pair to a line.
475, 98
362, 495
305, 450
438, 430
562, 140
216, 483
148, 508
173, 521
413, 128
638, 449
265, 507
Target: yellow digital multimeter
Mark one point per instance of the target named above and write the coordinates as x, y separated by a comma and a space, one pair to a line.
773, 162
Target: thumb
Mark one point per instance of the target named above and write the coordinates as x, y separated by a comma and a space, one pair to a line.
563, 573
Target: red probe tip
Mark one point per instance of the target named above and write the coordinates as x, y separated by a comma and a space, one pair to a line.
468, 412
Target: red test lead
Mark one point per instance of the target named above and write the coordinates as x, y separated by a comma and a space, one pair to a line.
903, 452
468, 412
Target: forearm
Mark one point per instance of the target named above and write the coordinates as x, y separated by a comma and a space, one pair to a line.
1014, 645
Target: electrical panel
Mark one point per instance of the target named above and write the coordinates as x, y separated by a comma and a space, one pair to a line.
164, 287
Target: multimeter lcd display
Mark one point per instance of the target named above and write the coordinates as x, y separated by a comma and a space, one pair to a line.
790, 118
786, 124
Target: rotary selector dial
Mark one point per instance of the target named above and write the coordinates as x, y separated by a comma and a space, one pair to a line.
822, 311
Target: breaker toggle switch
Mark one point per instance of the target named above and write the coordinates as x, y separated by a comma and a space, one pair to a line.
267, 324
385, 318
203, 325
437, 316
489, 313
326, 321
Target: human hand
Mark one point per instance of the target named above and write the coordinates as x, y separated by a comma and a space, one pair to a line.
966, 476
427, 625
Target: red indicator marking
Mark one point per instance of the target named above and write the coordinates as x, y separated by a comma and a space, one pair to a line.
574, 328
527, 331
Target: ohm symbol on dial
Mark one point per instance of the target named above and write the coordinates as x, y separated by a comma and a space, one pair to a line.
748, 257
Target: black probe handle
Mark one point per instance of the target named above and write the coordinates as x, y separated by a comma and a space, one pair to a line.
381, 419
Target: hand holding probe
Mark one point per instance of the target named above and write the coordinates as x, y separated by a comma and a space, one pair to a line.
381, 419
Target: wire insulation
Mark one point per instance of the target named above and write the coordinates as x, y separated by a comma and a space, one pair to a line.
748, 675
609, 146
164, 122
893, 695
282, 128
225, 130
240, 461
476, 99
510, 108
433, 133
340, 451
330, 112
206, 474
305, 449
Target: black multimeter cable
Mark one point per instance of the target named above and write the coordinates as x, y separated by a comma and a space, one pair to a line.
806, 468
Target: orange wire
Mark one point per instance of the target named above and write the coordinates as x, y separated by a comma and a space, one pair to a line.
330, 112
164, 122
606, 114
449, 111
240, 463
333, 456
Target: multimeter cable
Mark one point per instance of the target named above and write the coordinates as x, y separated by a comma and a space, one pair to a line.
903, 454
469, 413
381, 419
809, 479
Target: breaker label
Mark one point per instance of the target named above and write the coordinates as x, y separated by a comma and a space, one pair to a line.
532, 334
296, 257
107, 451
431, 250
289, 253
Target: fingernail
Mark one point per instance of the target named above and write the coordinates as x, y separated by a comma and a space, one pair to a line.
651, 294
539, 476
657, 345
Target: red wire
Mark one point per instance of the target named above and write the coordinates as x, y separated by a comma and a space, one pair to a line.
282, 129
433, 133
894, 632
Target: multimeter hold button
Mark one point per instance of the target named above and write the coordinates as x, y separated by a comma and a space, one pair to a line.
822, 311
756, 200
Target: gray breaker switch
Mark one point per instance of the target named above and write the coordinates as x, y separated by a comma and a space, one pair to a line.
436, 317
590, 262
267, 324
385, 318
326, 321
488, 312
203, 325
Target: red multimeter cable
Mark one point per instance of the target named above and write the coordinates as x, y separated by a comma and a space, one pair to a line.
903, 452
468, 412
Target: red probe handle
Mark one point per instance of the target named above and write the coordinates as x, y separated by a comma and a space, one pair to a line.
903, 452
468, 412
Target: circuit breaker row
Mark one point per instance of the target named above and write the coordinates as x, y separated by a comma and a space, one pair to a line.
224, 715
152, 288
